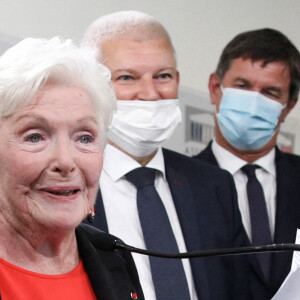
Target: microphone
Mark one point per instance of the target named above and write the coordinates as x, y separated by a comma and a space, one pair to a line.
103, 240
108, 242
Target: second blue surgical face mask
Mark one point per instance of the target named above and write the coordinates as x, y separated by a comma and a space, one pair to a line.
248, 119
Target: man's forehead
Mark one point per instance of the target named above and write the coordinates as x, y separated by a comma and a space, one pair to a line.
146, 45
250, 67
124, 53
247, 62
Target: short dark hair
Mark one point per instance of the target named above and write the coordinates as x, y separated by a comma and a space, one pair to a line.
265, 44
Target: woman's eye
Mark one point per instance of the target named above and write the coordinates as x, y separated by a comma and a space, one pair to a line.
34, 138
86, 139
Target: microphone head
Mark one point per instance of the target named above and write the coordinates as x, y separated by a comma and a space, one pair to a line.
105, 241
100, 239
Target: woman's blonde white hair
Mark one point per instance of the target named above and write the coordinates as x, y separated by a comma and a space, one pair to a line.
29, 65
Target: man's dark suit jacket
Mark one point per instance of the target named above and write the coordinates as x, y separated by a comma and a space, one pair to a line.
207, 209
287, 218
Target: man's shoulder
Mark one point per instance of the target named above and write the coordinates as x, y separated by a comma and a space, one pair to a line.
174, 157
207, 155
285, 157
191, 164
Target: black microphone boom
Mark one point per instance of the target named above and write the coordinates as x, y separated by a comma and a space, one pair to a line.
119, 245
108, 242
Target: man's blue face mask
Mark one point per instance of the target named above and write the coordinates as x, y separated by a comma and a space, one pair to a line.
247, 119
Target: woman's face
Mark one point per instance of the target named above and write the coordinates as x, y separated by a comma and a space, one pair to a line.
50, 160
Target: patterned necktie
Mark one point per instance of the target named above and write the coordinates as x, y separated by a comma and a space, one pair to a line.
260, 226
168, 274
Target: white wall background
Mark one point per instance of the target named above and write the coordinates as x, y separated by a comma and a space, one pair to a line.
199, 28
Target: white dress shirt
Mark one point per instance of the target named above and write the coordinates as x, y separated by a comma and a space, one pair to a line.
266, 176
119, 198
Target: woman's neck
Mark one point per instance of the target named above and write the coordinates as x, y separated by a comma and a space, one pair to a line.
38, 249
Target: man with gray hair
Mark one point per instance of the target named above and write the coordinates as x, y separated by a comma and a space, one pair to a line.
155, 198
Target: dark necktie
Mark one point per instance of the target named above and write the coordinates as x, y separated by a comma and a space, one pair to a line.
260, 226
168, 274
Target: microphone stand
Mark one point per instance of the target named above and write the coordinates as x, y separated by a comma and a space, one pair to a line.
119, 245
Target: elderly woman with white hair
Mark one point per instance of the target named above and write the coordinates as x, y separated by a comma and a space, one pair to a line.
55, 106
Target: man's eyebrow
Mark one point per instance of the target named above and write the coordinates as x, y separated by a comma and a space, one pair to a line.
241, 79
132, 70
167, 69
277, 89
124, 70
274, 88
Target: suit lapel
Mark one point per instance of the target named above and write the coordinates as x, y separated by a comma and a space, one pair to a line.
183, 201
285, 228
